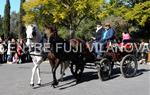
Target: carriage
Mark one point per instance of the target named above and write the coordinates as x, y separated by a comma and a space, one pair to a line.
126, 61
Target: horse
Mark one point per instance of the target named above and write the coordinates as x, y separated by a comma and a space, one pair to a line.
59, 56
33, 36
55, 58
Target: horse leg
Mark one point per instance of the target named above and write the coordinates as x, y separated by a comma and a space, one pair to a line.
62, 71
64, 66
35, 69
38, 70
38, 75
33, 74
55, 82
61, 68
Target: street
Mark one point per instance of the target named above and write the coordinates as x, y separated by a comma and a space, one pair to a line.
15, 78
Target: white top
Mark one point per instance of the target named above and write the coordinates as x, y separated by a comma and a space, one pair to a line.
8, 51
1, 49
98, 28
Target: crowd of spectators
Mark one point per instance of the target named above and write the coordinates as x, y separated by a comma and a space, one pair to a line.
11, 51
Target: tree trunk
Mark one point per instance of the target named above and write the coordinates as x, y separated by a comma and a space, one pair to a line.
72, 32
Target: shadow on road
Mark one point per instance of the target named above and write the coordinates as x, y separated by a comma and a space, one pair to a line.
43, 85
141, 71
88, 76
67, 85
70, 81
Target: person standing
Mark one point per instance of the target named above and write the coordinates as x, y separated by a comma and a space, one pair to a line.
1, 50
12, 48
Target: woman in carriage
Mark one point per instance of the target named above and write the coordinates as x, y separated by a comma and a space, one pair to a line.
126, 37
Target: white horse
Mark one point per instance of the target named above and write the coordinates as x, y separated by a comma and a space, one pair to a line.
34, 36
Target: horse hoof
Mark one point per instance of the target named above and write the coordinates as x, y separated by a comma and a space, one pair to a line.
31, 85
54, 84
39, 84
61, 80
78, 81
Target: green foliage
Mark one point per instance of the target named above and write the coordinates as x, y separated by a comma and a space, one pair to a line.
14, 21
1, 26
6, 23
63, 32
86, 30
67, 13
79, 16
21, 23
140, 13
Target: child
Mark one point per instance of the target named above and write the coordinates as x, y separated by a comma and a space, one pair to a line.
126, 37
16, 58
19, 51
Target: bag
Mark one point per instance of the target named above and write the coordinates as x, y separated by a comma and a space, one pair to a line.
148, 59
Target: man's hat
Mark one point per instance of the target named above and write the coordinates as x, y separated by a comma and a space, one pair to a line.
98, 23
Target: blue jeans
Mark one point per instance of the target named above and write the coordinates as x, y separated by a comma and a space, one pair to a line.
1, 60
9, 58
99, 47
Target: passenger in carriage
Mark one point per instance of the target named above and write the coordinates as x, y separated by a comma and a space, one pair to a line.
126, 37
108, 35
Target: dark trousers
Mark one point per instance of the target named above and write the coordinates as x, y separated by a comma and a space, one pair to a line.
1, 58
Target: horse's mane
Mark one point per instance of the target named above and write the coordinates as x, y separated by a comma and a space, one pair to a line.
38, 36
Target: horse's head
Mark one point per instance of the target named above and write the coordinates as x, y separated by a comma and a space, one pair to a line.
31, 33
50, 31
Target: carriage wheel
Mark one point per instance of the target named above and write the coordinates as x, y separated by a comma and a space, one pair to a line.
129, 66
104, 69
77, 70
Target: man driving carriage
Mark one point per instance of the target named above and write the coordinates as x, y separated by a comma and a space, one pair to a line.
98, 37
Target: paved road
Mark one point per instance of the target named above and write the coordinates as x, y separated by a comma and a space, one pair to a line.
14, 80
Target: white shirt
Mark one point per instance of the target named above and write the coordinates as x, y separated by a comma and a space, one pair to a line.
98, 28
8, 51
1, 49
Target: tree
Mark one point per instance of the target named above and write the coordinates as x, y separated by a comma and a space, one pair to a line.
14, 22
135, 12
140, 13
66, 13
21, 22
1, 26
6, 23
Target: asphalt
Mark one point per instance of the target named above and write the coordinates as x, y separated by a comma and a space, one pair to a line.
15, 78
